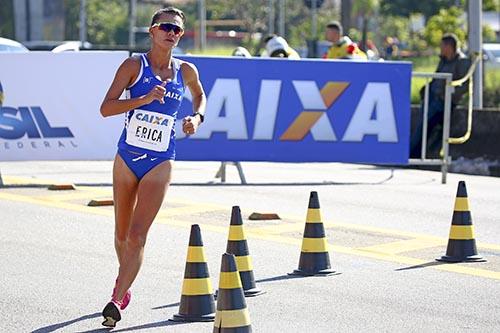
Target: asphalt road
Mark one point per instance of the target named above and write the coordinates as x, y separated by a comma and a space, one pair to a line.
385, 227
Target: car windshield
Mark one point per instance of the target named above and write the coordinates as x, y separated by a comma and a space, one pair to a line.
11, 48
496, 53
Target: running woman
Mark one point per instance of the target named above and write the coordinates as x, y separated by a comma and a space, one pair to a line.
155, 83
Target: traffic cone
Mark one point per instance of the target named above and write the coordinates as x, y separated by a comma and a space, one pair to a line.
197, 300
232, 313
314, 257
237, 245
461, 243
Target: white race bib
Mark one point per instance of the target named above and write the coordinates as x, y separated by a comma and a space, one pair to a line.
150, 130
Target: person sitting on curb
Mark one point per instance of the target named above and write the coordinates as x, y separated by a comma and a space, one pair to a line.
452, 60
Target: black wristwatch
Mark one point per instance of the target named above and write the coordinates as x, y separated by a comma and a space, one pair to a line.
202, 117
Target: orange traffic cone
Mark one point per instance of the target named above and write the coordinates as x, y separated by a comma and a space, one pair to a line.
237, 245
314, 257
232, 313
461, 243
197, 300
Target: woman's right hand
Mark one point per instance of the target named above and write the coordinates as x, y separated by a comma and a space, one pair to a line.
156, 94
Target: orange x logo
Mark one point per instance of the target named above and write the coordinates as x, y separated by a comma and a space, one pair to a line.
306, 120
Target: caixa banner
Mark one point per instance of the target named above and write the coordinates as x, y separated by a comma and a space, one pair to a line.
301, 111
49, 105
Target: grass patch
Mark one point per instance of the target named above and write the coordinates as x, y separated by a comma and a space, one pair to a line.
214, 51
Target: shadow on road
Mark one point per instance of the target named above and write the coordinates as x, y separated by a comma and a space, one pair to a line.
54, 327
427, 264
167, 306
163, 323
278, 278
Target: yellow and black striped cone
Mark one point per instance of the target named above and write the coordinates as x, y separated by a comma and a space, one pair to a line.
461, 243
314, 257
237, 245
232, 313
197, 299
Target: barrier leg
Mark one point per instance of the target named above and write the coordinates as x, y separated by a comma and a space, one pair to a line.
221, 173
240, 172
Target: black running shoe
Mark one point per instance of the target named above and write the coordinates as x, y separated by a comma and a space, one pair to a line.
111, 315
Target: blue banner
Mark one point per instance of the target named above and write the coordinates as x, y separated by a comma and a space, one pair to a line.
300, 111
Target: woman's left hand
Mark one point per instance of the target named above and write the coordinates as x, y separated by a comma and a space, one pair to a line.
190, 124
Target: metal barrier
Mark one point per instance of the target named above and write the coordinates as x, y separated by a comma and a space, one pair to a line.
456, 83
444, 161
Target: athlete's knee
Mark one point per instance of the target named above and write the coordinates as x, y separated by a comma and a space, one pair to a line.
120, 237
136, 238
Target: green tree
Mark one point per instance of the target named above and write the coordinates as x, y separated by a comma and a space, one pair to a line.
107, 22
428, 7
447, 20
489, 35
7, 19
395, 26
491, 5
365, 9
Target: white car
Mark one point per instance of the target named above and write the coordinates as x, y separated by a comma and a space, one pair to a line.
491, 52
9, 45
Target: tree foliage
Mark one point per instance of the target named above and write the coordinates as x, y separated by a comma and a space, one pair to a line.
6, 19
447, 20
107, 21
428, 7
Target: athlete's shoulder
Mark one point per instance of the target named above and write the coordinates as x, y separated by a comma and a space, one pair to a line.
134, 61
189, 71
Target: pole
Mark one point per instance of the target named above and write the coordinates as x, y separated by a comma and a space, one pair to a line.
270, 24
314, 17
203, 24
132, 18
345, 14
312, 47
83, 21
282, 18
475, 47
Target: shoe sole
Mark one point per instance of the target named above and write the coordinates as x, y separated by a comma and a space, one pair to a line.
111, 315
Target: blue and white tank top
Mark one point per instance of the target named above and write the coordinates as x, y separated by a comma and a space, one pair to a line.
150, 129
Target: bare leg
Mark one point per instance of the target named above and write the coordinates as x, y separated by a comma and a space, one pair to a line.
150, 194
125, 186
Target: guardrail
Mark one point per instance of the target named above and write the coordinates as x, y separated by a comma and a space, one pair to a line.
445, 160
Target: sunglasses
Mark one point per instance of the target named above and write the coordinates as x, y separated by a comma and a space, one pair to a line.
167, 27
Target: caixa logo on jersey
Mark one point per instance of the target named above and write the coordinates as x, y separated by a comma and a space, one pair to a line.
29, 122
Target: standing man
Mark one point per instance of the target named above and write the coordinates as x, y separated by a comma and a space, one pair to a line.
452, 60
342, 46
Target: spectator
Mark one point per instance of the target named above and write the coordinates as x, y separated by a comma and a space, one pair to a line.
277, 46
452, 60
391, 48
342, 46
240, 51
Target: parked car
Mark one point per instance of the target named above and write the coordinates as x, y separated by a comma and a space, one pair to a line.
9, 45
491, 53
72, 45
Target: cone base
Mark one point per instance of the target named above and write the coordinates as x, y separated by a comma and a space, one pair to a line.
474, 258
186, 318
323, 272
248, 293
253, 292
